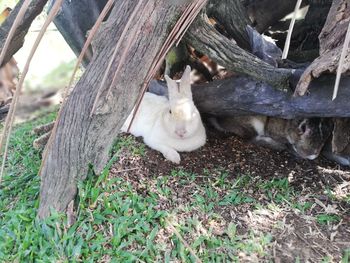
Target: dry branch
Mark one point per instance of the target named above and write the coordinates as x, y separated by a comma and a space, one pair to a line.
233, 17
204, 38
244, 96
34, 9
11, 114
331, 42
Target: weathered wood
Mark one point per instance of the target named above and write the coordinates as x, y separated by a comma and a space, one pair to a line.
81, 139
233, 17
331, 43
244, 96
204, 38
35, 8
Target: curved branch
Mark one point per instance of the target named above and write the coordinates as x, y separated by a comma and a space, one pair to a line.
233, 17
204, 38
35, 8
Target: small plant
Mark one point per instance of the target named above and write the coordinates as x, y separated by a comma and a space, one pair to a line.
327, 218
278, 190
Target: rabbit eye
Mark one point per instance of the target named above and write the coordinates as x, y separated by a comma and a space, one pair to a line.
169, 111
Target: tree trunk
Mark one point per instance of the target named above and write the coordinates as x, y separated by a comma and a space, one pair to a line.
80, 139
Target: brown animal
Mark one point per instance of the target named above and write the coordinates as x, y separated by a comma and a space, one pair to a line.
302, 136
8, 80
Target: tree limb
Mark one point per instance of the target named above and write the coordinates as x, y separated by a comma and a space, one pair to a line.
233, 17
244, 96
204, 38
35, 8
331, 42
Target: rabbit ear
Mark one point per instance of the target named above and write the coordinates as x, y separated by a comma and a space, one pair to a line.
185, 84
173, 88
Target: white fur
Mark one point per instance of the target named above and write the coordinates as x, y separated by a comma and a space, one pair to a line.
258, 125
181, 130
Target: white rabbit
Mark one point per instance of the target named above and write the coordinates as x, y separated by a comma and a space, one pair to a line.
169, 126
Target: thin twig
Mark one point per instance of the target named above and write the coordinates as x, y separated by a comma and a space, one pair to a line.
125, 170
290, 30
13, 29
341, 62
186, 245
116, 49
11, 114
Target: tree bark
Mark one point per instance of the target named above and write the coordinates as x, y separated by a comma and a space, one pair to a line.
233, 17
244, 96
80, 139
331, 43
35, 8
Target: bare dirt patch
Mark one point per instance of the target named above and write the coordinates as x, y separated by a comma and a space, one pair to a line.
303, 205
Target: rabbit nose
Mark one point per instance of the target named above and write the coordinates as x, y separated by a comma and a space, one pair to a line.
181, 133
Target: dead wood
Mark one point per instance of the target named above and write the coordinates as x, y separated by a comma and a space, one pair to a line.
35, 8
81, 139
232, 16
244, 96
331, 43
206, 39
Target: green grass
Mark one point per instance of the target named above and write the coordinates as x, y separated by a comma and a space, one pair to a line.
117, 223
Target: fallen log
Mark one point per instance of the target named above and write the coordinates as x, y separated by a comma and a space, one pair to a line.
245, 96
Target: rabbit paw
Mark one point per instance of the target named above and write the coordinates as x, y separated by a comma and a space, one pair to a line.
172, 156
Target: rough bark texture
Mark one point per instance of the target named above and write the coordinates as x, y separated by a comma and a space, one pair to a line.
333, 32
81, 139
244, 96
35, 8
233, 17
331, 43
204, 37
